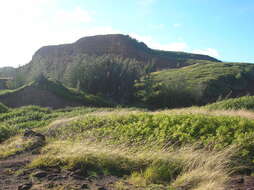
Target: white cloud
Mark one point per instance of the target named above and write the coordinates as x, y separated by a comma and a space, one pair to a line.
70, 36
174, 46
76, 15
29, 24
177, 25
209, 51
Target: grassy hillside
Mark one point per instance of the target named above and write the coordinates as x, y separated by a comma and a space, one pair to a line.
171, 149
200, 83
50, 89
242, 103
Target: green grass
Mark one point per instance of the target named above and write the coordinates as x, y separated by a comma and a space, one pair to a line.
202, 73
242, 103
201, 83
15, 121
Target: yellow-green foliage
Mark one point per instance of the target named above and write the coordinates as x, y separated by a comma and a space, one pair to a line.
17, 120
214, 132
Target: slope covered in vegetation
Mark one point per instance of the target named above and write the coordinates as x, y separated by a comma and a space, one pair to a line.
48, 93
197, 84
242, 103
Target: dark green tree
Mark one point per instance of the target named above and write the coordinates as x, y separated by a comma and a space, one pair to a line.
113, 77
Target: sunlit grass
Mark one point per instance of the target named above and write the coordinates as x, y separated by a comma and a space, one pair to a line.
184, 168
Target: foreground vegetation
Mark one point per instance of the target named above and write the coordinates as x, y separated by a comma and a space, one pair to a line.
194, 148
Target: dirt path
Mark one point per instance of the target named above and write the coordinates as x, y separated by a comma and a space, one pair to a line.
11, 177
8, 168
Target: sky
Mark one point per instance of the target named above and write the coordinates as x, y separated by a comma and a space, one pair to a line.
220, 28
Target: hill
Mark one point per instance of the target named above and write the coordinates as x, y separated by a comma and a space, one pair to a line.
197, 84
47, 93
117, 67
58, 61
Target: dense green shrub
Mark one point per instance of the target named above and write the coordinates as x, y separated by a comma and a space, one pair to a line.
108, 76
160, 171
158, 95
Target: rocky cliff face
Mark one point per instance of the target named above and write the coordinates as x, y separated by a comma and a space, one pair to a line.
120, 45
56, 61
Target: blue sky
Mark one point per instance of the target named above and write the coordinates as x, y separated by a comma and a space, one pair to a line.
220, 28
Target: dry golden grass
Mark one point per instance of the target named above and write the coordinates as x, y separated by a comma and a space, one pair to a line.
200, 169
204, 170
